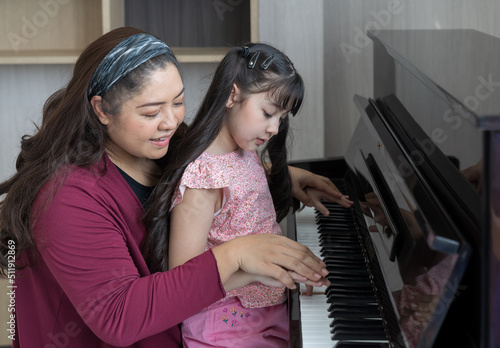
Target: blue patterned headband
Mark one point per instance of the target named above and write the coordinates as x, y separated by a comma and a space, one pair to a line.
123, 58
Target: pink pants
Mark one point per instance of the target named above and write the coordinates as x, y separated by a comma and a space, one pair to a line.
228, 324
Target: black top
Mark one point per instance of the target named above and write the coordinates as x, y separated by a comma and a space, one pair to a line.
142, 192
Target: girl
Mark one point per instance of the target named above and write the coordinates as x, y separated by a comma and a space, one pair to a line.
219, 190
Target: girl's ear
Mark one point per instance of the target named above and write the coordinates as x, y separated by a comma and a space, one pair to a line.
234, 97
96, 102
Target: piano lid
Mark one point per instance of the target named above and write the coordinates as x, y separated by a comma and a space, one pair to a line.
419, 242
457, 64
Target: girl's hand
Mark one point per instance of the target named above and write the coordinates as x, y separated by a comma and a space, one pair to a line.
271, 256
302, 183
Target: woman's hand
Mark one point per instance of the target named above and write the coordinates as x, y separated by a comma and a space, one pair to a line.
310, 188
272, 256
474, 174
296, 277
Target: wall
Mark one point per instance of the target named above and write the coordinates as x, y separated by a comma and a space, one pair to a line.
297, 30
323, 38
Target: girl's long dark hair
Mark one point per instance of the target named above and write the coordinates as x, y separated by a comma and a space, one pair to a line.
285, 87
70, 135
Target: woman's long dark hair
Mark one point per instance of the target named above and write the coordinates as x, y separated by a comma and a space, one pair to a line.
70, 135
285, 87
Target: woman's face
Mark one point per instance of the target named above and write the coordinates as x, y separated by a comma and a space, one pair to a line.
147, 121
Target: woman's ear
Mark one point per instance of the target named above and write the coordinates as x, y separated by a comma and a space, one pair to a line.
96, 102
234, 97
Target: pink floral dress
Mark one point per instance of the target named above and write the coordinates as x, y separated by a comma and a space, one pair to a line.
247, 209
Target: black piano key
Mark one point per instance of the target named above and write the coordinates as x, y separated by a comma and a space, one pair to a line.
337, 233
342, 246
362, 345
351, 314
353, 258
371, 310
334, 218
356, 300
354, 296
360, 325
333, 252
337, 322
368, 335
342, 257
340, 273
347, 271
345, 262
345, 266
345, 226
332, 289
349, 302
345, 283
339, 296
347, 278
348, 242
338, 239
337, 208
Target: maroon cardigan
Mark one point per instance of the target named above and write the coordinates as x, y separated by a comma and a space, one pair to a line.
89, 285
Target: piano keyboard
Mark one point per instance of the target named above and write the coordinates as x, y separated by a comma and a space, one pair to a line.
346, 313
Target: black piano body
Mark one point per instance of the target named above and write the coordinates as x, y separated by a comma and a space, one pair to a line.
433, 234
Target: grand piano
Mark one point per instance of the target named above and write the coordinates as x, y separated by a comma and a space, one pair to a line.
415, 261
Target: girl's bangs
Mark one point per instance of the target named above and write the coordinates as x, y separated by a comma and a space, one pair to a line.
288, 94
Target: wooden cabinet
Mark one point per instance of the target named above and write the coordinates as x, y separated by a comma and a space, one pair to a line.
56, 31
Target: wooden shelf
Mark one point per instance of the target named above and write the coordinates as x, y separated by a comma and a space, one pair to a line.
39, 32
183, 54
200, 55
53, 32
39, 57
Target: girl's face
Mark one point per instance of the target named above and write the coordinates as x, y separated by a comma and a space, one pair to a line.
253, 121
148, 120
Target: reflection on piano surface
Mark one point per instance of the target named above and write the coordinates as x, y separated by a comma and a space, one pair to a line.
409, 261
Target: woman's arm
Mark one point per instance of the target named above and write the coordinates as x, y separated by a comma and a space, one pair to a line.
302, 179
84, 241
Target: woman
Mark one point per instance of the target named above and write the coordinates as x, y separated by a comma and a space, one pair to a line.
73, 211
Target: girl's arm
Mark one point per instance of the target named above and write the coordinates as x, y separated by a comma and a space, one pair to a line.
189, 226
271, 259
190, 222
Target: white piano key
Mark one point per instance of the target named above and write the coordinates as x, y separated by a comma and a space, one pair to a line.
313, 309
